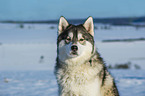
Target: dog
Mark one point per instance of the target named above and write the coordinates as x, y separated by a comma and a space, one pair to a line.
80, 70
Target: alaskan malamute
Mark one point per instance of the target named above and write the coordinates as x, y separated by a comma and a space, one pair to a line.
80, 71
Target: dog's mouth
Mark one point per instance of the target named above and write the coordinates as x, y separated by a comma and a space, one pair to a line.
73, 53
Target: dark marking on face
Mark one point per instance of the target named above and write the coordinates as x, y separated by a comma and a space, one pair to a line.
75, 35
64, 34
86, 35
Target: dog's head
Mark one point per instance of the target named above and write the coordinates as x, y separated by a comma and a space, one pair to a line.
75, 43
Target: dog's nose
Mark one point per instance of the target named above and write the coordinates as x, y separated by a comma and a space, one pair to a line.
74, 48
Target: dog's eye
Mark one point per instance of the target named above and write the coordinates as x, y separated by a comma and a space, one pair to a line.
82, 40
68, 39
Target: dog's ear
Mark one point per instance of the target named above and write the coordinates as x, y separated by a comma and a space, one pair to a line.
89, 26
62, 24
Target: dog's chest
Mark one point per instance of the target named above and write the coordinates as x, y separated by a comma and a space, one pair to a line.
80, 80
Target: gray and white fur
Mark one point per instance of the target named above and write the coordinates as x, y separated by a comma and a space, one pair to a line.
80, 71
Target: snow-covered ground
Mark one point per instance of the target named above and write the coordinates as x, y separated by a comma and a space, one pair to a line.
27, 58
43, 83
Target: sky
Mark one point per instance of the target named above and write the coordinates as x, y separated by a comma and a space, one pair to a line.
72, 9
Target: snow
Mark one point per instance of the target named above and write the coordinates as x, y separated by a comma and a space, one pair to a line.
120, 52
27, 56
118, 32
30, 33
28, 83
27, 59
43, 83
130, 82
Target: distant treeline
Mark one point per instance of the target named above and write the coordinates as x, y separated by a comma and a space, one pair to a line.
127, 65
124, 40
112, 21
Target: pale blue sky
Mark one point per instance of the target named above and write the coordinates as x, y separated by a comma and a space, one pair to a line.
53, 9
